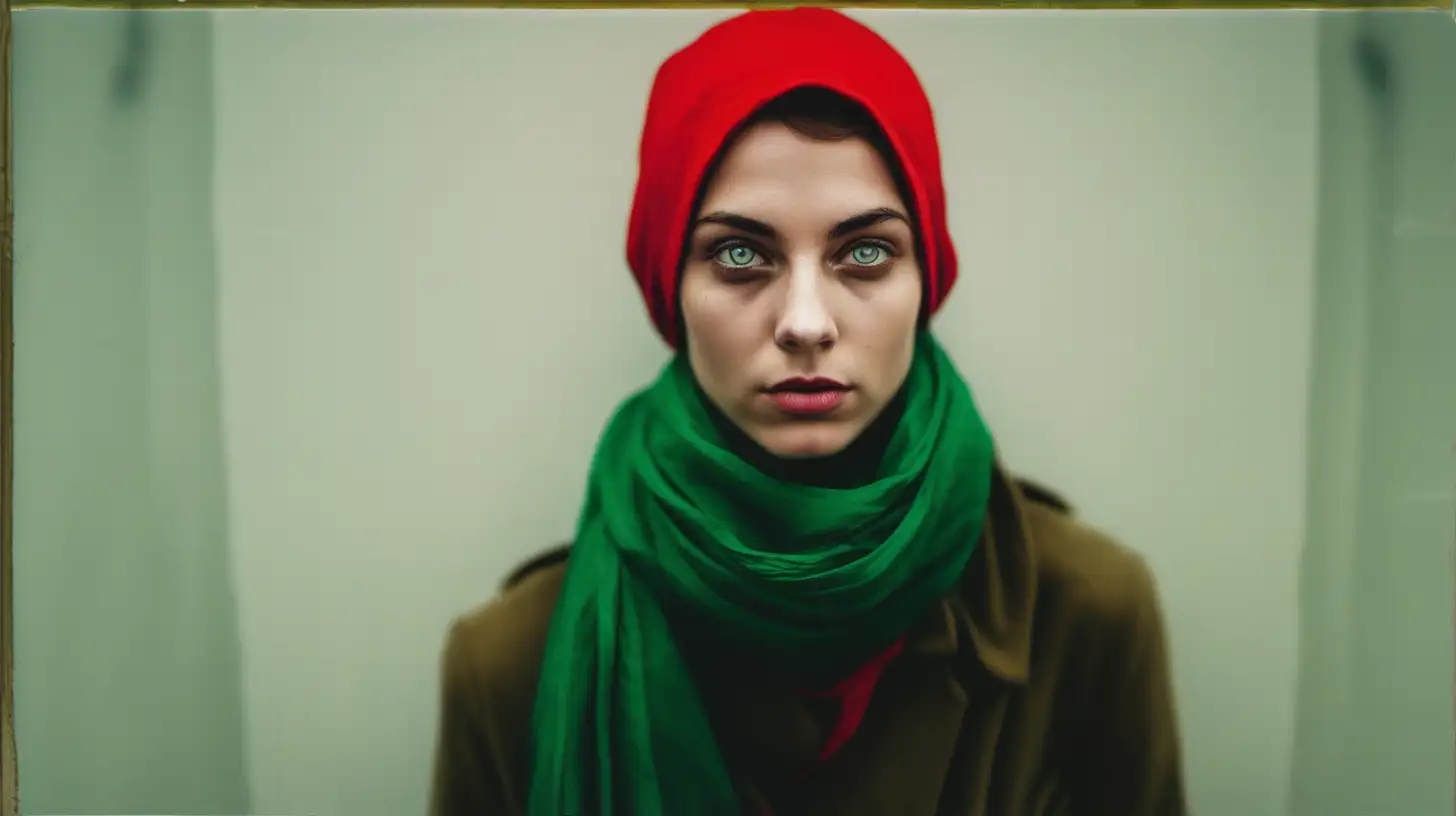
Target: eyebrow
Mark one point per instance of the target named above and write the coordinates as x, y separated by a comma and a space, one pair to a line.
854, 223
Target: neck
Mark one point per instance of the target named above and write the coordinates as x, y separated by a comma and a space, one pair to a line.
857, 464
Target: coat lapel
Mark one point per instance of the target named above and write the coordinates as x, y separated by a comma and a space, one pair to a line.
896, 763
898, 760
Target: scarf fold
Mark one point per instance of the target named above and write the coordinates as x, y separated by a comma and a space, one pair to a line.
674, 525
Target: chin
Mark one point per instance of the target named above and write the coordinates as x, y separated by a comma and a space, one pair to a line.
805, 441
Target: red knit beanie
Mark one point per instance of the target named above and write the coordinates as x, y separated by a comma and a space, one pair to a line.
705, 91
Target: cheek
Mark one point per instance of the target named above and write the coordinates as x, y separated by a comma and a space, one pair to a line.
713, 328
897, 323
892, 357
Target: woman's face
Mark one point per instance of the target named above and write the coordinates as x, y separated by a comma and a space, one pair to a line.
801, 290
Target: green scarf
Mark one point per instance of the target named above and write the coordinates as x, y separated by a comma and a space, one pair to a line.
674, 521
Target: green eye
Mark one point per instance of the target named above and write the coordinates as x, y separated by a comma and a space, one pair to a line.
868, 255
736, 256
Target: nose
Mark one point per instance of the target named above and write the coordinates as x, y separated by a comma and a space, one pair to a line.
806, 322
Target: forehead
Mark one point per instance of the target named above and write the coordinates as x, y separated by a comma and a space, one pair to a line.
771, 167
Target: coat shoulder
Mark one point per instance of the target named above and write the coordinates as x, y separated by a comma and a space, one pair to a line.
489, 674
1088, 570
1100, 623
501, 643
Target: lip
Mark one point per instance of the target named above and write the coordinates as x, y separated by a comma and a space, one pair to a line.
807, 384
807, 396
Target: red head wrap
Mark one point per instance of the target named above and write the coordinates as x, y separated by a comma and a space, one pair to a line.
705, 91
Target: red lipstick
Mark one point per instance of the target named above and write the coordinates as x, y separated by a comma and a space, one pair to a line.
807, 396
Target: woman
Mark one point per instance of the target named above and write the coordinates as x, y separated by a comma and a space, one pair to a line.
801, 583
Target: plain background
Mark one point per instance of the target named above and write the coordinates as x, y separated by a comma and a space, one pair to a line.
319, 315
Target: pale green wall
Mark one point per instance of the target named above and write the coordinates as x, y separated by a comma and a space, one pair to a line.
426, 318
127, 671
1403, 604
1376, 681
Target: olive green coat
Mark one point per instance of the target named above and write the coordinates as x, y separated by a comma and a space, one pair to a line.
1041, 687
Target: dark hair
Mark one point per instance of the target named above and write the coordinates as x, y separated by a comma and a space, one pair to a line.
823, 115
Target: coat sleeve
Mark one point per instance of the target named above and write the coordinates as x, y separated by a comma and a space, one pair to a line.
1130, 762
471, 775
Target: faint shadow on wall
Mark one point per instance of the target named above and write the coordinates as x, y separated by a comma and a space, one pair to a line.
127, 645
1374, 698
